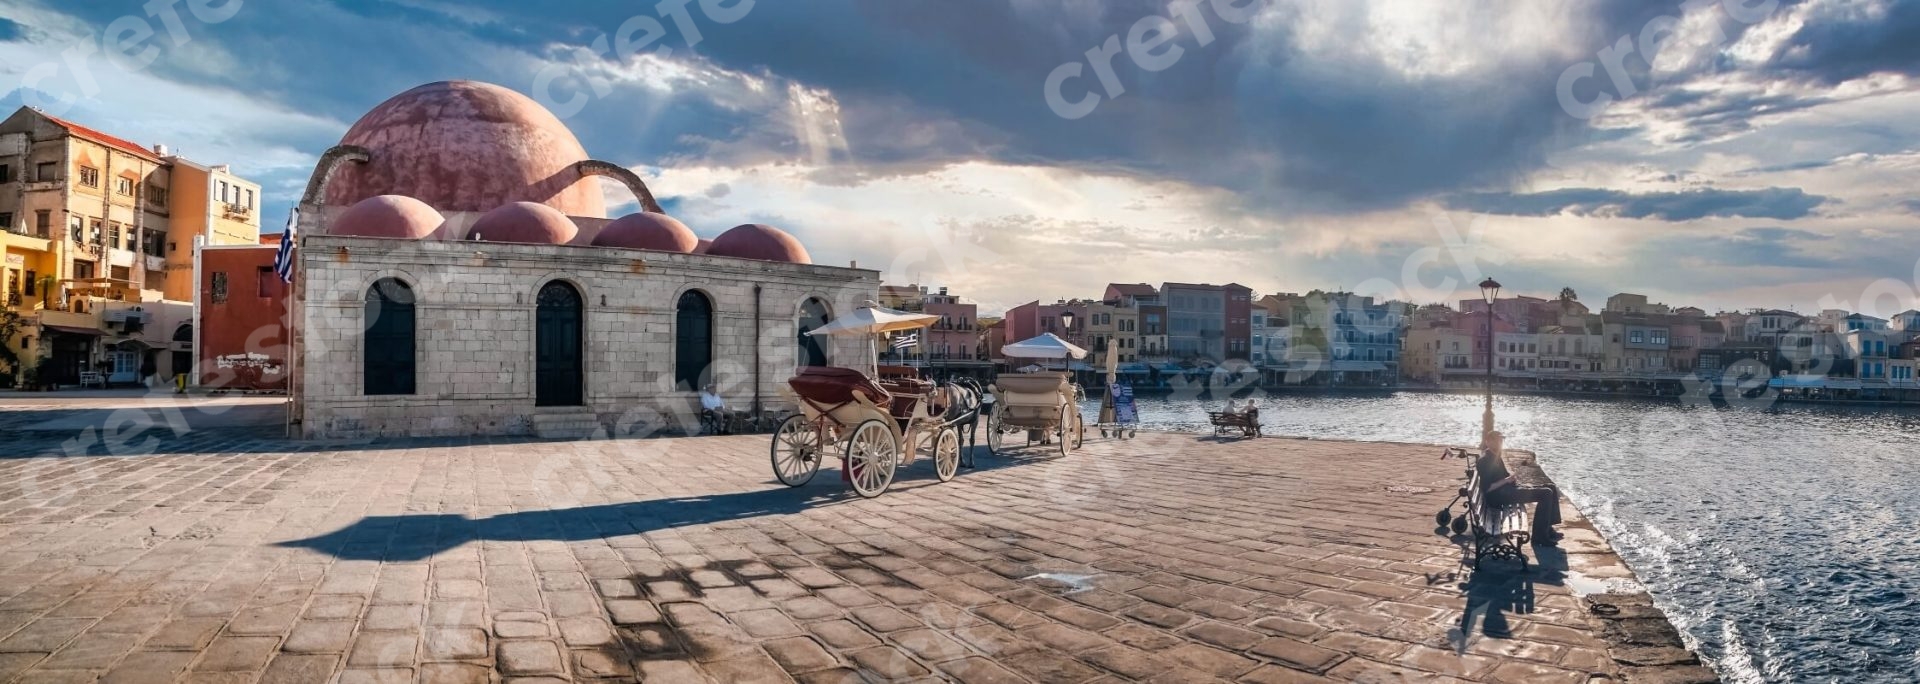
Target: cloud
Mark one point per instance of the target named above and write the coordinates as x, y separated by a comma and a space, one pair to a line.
1684, 205
11, 30
1841, 41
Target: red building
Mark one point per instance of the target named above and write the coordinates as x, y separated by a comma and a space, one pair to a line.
1032, 318
241, 316
1239, 327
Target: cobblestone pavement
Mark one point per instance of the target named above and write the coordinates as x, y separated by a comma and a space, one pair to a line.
235, 557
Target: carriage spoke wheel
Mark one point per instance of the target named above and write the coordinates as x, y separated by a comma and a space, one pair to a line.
995, 439
1066, 429
796, 451
1079, 429
946, 454
872, 452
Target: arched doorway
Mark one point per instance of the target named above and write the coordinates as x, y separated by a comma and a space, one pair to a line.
692, 340
558, 371
813, 349
180, 359
386, 362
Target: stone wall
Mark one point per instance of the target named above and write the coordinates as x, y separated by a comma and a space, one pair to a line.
474, 342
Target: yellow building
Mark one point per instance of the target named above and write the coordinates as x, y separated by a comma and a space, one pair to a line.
98, 247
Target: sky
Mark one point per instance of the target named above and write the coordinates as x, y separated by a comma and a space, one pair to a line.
1736, 154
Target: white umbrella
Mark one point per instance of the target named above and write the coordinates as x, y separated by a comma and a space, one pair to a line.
1046, 346
874, 319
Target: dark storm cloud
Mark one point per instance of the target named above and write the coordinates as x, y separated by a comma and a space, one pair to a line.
930, 82
1763, 247
11, 30
1846, 41
1685, 205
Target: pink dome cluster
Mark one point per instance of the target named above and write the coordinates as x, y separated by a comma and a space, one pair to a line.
387, 216
524, 222
759, 241
648, 230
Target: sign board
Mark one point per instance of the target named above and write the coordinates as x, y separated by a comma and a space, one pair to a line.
1123, 409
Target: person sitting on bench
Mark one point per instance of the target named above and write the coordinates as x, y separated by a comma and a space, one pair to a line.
714, 409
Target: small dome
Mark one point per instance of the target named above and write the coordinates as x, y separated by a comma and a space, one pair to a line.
525, 222
648, 230
387, 216
705, 244
759, 241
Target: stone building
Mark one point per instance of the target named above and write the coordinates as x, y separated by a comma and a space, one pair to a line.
458, 276
98, 247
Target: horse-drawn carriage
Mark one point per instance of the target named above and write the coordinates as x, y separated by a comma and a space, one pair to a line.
1045, 405
878, 425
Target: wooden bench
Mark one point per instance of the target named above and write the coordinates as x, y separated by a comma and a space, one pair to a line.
1498, 531
1224, 422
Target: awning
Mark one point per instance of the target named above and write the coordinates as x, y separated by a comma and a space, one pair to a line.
70, 330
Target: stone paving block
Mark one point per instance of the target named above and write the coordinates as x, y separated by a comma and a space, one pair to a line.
289, 668
91, 651
319, 636
530, 657
887, 663
799, 654
442, 643
147, 666
454, 673
376, 675
383, 650
184, 634
237, 654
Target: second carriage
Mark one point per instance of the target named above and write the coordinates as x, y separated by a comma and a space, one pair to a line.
1044, 406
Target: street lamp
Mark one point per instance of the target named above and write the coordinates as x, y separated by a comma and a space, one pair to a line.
1066, 321
1489, 290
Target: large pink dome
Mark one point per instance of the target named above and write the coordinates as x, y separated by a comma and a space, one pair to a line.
524, 222
648, 230
466, 146
387, 216
759, 241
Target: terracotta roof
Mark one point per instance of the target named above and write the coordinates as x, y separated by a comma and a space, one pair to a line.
122, 144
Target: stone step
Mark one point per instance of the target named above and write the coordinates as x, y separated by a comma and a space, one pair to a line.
566, 424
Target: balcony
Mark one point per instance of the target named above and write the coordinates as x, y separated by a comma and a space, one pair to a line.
86, 318
236, 212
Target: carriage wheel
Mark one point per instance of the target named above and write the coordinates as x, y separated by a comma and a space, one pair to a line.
1066, 429
796, 451
872, 453
1079, 428
946, 454
994, 438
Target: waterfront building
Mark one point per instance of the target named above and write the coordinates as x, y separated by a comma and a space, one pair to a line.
1033, 318
1432, 352
993, 336
951, 346
1112, 328
1196, 322
1906, 322
1769, 325
1525, 313
98, 247
1570, 350
1629, 303
458, 275
241, 316
1713, 362
1637, 343
1150, 318
1516, 354
1355, 340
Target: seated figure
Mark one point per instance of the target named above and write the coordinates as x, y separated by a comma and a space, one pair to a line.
714, 411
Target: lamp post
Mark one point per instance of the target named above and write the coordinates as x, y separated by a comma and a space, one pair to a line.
1066, 322
1489, 290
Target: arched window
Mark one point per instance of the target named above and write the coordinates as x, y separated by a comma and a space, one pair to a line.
813, 349
558, 373
387, 361
693, 340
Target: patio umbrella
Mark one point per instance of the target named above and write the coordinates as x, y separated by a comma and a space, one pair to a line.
1046, 346
873, 319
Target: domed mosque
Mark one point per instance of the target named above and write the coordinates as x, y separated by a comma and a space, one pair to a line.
459, 275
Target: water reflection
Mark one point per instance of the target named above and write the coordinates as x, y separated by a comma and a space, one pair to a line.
1782, 540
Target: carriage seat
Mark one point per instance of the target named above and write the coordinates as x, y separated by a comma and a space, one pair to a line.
1033, 383
907, 393
830, 386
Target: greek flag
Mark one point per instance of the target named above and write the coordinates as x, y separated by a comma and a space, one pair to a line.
283, 260
905, 341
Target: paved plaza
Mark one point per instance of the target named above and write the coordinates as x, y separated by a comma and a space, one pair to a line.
235, 556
